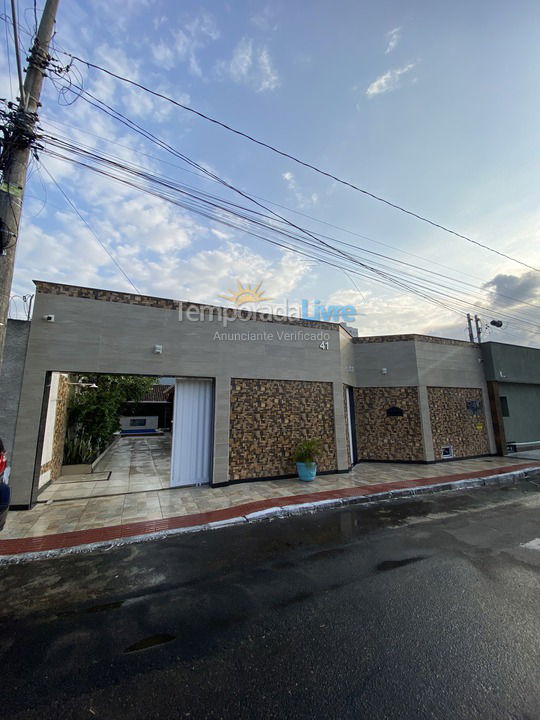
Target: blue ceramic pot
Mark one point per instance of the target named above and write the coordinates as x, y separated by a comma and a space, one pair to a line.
306, 471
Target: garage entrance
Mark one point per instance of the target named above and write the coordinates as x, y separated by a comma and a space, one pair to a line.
141, 452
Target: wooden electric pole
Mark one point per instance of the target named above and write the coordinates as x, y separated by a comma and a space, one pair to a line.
19, 133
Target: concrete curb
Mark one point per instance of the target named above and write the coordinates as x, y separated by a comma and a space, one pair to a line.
501, 479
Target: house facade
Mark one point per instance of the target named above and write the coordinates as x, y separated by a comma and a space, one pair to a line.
249, 387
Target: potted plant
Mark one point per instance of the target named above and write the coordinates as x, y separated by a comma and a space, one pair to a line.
305, 457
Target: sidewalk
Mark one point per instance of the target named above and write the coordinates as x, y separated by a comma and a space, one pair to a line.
71, 523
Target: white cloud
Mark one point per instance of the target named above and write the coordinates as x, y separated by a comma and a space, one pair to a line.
209, 273
163, 55
185, 44
250, 65
269, 79
389, 312
264, 20
389, 81
242, 60
303, 200
220, 234
392, 39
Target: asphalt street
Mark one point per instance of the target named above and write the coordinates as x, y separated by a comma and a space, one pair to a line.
418, 608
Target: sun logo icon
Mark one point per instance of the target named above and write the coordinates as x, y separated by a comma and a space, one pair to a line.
246, 294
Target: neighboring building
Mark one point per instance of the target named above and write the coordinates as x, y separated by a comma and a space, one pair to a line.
247, 393
513, 376
11, 376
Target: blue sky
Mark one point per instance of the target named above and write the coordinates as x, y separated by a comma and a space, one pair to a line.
433, 105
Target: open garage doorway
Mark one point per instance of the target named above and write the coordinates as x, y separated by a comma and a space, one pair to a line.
106, 435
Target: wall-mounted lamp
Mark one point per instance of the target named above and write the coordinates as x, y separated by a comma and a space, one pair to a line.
384, 371
48, 318
158, 349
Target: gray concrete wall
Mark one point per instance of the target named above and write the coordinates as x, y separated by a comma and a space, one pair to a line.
398, 358
11, 379
511, 363
113, 337
523, 423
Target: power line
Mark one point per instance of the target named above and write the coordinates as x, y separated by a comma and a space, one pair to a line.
8, 52
192, 202
186, 190
74, 208
17, 51
130, 124
297, 160
58, 125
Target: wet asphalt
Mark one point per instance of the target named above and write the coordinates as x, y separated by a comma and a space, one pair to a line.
417, 608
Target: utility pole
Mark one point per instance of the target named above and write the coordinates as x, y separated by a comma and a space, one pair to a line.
478, 324
19, 134
469, 323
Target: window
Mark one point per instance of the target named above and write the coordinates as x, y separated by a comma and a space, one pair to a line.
394, 412
504, 406
137, 422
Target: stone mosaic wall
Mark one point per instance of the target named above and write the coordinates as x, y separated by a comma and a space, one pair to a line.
380, 437
59, 432
453, 423
419, 338
347, 434
60, 426
269, 417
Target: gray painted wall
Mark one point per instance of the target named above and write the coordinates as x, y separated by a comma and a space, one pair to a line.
511, 363
11, 379
523, 423
398, 358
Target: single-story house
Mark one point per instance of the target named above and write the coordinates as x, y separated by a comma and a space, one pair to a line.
247, 386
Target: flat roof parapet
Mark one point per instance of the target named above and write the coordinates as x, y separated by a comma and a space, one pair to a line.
76, 291
409, 338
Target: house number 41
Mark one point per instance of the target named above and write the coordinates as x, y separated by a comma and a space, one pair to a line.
324, 345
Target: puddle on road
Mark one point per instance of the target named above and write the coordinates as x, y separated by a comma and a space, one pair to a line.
150, 641
393, 564
105, 606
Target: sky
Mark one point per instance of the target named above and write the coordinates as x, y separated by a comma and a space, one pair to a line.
429, 104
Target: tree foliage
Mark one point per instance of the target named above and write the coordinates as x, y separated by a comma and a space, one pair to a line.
94, 413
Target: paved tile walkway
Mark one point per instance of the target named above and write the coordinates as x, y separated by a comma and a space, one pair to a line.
131, 466
91, 519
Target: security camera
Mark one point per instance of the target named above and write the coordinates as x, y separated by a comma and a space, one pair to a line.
48, 318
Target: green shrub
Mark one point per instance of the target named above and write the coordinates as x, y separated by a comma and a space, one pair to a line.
94, 413
307, 451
